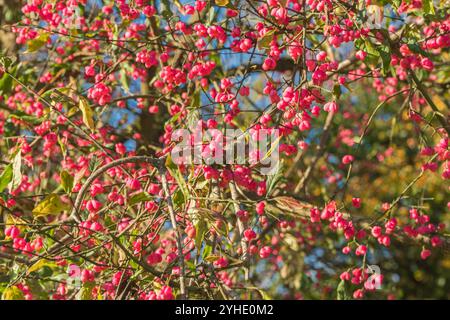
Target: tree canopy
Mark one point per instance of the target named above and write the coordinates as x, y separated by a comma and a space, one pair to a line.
93, 204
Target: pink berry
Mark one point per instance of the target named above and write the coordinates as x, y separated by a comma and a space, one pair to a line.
361, 250
265, 252
360, 55
347, 159
346, 250
356, 202
425, 254
154, 258
358, 294
376, 231
249, 234
330, 107
260, 208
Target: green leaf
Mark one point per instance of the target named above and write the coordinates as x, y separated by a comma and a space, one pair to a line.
13, 293
51, 205
370, 49
25, 117
139, 197
88, 114
200, 230
206, 251
178, 198
385, 58
196, 101
166, 10
6, 177
190, 265
373, 55
343, 291
5, 61
66, 181
414, 47
16, 171
6, 83
211, 15
63, 147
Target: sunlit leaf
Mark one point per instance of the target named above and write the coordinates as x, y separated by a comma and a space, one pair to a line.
51, 205
13, 293
16, 171
39, 265
385, 58
85, 292
200, 229
6, 177
211, 258
66, 181
37, 43
264, 42
88, 114
428, 7
207, 249
6, 83
139, 197
222, 3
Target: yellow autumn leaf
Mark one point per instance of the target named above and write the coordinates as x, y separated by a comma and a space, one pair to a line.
273, 147
37, 43
212, 258
20, 223
39, 265
66, 181
222, 3
12, 293
51, 205
88, 114
440, 104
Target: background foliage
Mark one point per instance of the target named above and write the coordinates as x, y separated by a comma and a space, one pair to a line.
88, 85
